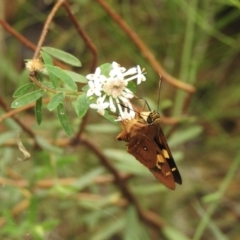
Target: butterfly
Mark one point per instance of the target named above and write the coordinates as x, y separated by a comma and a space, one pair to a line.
147, 143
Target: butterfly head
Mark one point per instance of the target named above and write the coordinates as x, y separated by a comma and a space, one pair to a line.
149, 117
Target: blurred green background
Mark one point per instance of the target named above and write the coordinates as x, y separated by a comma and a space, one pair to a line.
64, 192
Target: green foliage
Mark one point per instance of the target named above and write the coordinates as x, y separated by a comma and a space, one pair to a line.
76, 77
48, 61
38, 110
63, 118
68, 191
172, 234
55, 101
22, 90
27, 98
60, 74
54, 74
82, 105
63, 56
105, 68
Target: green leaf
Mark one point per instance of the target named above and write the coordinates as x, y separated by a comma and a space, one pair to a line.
48, 84
63, 56
132, 86
109, 229
102, 128
165, 104
105, 69
109, 117
59, 73
76, 77
7, 136
62, 115
48, 60
38, 110
27, 98
55, 101
87, 179
185, 135
22, 90
82, 105
212, 197
85, 88
153, 188
40, 76
173, 234
48, 146
132, 223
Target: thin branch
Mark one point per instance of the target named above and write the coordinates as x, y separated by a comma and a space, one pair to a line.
26, 42
89, 43
13, 112
145, 50
23, 125
17, 35
47, 89
186, 102
49, 183
80, 129
155, 221
46, 26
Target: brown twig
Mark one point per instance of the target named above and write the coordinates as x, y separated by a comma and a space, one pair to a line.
155, 221
145, 50
13, 112
89, 43
93, 49
25, 41
23, 125
19, 36
48, 183
80, 129
46, 26
120, 180
148, 217
186, 102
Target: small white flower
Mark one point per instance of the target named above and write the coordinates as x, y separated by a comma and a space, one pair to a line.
111, 104
140, 76
128, 93
117, 70
125, 116
125, 110
114, 89
129, 108
100, 105
94, 88
130, 71
96, 77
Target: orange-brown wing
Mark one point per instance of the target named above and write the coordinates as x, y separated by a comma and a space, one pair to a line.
164, 175
123, 136
166, 153
131, 128
143, 149
146, 151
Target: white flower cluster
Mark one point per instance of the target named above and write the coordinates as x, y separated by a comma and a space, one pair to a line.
112, 90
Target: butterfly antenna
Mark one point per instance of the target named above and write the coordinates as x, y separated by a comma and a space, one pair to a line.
147, 104
159, 91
